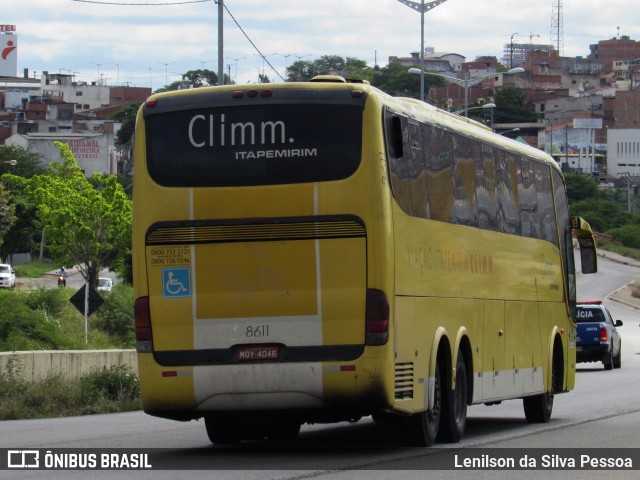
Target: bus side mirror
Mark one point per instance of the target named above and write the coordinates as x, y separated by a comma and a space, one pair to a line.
584, 235
588, 258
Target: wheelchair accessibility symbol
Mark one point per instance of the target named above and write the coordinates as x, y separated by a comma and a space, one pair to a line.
176, 282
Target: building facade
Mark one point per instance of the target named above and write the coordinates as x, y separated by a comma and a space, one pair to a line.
623, 157
94, 152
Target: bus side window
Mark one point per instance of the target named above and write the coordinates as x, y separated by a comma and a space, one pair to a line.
396, 148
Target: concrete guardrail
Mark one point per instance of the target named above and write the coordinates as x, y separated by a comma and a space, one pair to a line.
37, 365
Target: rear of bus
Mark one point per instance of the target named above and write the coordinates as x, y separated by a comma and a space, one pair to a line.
261, 246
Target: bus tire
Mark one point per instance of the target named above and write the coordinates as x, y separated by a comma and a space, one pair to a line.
421, 429
538, 408
454, 406
221, 431
284, 431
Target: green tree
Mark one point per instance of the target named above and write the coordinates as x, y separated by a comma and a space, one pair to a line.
88, 224
601, 214
396, 80
262, 78
24, 232
628, 235
195, 79
27, 164
127, 118
512, 106
581, 187
350, 67
329, 65
7, 213
201, 78
300, 71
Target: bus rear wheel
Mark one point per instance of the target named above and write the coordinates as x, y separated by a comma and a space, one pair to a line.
454, 406
421, 429
538, 408
283, 431
222, 431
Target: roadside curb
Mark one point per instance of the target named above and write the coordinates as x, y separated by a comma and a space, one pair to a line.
619, 296
614, 257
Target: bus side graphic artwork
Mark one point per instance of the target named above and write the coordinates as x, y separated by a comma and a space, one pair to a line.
322, 252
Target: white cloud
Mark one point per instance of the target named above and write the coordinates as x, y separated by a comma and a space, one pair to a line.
72, 35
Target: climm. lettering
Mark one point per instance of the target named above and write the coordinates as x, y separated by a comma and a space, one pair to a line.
237, 133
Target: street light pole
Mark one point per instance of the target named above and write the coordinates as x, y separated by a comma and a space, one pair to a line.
466, 82
509, 131
166, 72
422, 8
486, 106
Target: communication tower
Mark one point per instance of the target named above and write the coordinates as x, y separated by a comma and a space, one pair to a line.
557, 32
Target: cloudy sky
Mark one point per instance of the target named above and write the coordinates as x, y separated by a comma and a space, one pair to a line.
122, 41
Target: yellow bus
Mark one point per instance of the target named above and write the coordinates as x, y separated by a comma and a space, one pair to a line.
322, 252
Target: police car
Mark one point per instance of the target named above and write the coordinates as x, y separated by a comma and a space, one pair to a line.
598, 339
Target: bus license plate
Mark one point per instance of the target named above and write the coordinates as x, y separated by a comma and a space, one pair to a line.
258, 352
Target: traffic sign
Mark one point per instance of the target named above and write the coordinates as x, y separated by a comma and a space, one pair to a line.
78, 298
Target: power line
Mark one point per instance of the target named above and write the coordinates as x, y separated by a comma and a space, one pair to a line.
141, 4
100, 2
251, 42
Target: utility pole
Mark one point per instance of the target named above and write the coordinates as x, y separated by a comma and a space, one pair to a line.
220, 42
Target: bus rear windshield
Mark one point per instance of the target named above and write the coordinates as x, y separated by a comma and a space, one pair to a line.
264, 144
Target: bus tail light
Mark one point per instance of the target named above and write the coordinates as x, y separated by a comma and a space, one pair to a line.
143, 325
377, 317
604, 336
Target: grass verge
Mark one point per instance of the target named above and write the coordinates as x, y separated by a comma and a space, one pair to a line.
33, 269
619, 249
106, 391
44, 319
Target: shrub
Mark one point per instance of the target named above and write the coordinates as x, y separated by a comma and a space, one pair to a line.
100, 389
27, 326
115, 316
628, 235
52, 301
106, 391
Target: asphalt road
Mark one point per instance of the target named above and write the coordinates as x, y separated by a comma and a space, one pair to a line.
602, 412
50, 280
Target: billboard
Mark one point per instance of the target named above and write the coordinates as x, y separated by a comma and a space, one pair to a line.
587, 123
8, 51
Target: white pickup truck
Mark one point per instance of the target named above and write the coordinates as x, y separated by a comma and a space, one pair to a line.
7, 276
